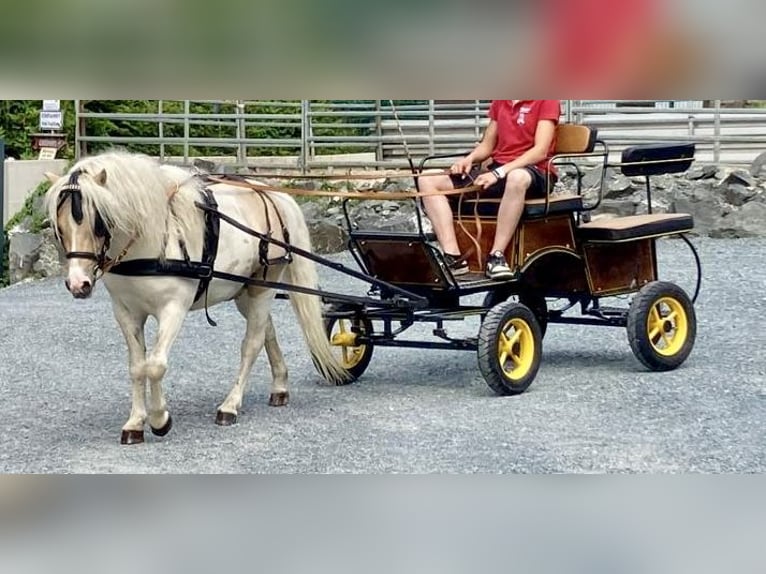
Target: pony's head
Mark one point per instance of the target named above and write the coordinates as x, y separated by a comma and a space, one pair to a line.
80, 228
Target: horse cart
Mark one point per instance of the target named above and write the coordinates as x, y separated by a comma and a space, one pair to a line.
167, 241
560, 256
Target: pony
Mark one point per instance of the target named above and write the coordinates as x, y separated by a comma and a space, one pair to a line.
153, 233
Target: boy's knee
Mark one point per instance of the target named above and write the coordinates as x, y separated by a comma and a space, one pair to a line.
519, 179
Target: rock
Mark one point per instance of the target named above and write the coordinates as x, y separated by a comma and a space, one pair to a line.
395, 185
737, 194
592, 178
702, 172
618, 207
50, 260
740, 177
23, 251
758, 167
706, 214
748, 221
326, 237
311, 184
619, 186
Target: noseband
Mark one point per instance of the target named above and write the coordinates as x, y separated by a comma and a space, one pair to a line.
73, 191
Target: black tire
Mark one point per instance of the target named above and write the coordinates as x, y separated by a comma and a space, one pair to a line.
536, 303
354, 359
513, 374
662, 326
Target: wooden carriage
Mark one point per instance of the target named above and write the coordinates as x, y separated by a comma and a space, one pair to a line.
559, 253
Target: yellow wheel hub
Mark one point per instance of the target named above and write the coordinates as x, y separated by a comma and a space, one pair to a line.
345, 338
667, 326
516, 349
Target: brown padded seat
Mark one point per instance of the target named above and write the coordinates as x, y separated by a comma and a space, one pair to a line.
636, 226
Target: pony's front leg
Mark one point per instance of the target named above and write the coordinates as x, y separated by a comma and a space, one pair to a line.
254, 304
132, 327
170, 319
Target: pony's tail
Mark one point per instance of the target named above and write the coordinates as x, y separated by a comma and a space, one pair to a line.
302, 271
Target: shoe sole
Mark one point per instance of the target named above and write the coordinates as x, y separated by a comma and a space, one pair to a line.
458, 272
501, 275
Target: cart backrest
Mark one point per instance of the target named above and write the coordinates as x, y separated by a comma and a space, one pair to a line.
575, 138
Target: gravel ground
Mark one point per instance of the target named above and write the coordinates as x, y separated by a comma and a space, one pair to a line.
593, 408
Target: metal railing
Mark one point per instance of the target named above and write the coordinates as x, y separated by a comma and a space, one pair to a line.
309, 134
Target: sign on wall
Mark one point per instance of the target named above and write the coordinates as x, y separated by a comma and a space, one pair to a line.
51, 120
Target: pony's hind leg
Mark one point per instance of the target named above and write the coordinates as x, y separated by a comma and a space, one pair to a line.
170, 320
132, 327
280, 394
254, 304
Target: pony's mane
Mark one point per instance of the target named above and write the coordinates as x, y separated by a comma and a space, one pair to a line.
135, 197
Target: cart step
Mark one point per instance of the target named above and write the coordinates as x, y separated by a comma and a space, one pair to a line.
609, 312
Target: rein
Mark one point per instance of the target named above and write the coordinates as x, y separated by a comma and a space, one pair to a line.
243, 181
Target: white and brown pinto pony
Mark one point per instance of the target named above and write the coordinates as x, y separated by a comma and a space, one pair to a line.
119, 207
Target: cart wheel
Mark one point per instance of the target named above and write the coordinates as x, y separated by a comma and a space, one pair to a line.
662, 326
354, 358
510, 347
536, 303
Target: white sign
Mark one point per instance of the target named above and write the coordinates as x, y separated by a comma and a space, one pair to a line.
51, 105
51, 120
47, 153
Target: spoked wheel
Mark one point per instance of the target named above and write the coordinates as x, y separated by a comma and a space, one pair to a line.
510, 348
536, 303
342, 334
662, 326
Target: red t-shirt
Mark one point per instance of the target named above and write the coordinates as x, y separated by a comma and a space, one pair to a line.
517, 124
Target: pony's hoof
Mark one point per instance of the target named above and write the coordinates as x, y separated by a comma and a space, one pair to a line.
132, 437
225, 419
279, 399
165, 429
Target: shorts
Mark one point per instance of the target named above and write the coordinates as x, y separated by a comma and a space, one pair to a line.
537, 189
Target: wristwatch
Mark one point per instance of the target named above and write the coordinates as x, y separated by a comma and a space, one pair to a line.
498, 173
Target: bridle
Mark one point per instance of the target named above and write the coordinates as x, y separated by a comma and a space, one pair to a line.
73, 191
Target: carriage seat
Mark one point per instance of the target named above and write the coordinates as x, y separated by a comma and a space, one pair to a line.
634, 227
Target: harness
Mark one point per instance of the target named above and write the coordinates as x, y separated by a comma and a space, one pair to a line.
202, 270
71, 190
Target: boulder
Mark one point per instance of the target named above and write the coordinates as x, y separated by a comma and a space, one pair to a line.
707, 213
747, 221
737, 194
739, 177
327, 237
702, 172
758, 167
618, 186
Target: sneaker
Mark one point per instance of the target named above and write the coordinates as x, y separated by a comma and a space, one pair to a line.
497, 267
455, 264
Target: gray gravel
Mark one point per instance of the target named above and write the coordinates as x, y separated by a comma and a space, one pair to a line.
593, 408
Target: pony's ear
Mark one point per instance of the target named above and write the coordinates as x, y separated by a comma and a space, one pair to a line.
101, 177
52, 177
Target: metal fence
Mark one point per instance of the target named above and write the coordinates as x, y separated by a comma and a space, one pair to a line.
312, 134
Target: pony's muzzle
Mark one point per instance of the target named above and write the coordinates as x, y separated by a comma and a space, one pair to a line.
81, 290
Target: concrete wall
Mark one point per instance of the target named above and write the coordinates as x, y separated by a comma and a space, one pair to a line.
23, 176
